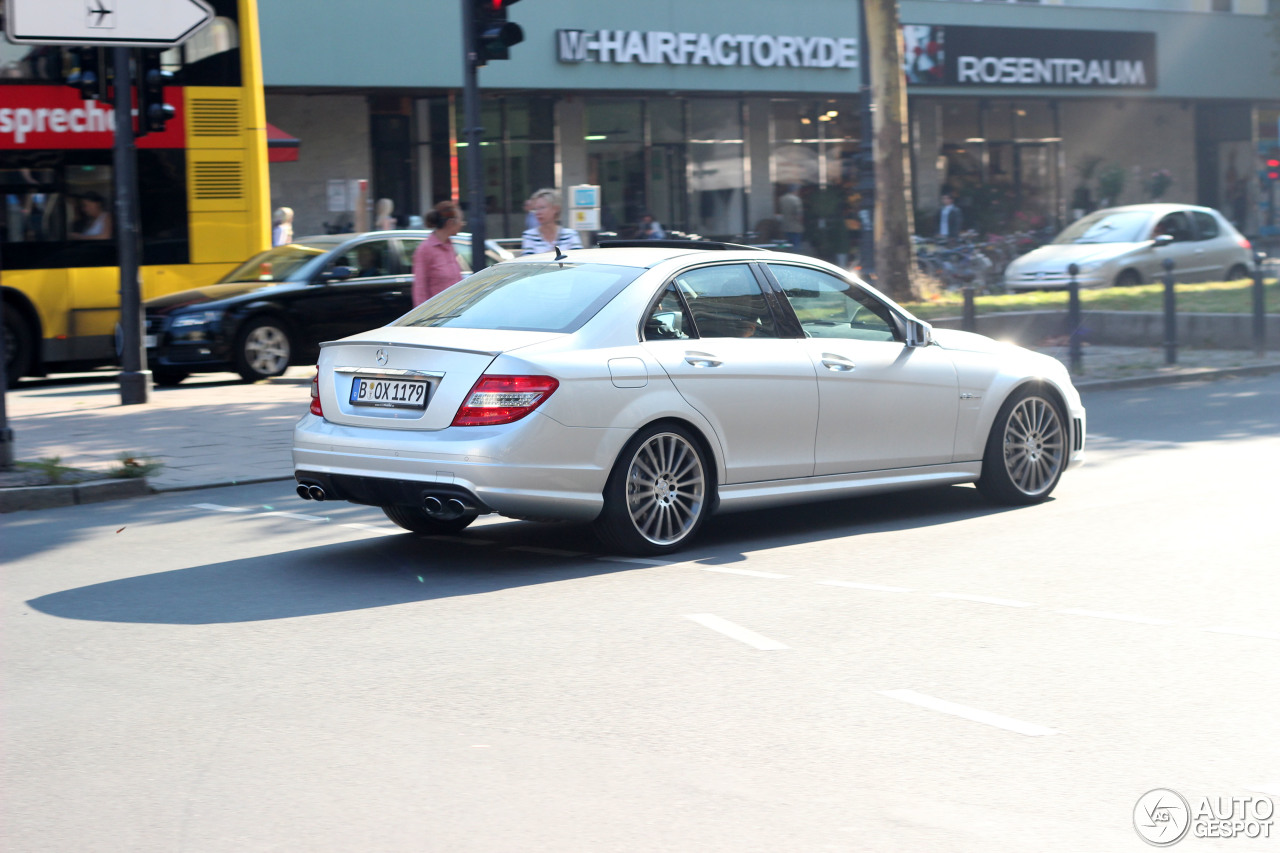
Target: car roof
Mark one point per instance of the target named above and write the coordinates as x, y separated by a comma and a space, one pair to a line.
643, 256
1154, 207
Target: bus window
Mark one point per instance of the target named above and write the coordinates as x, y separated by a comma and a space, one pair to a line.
89, 203
31, 206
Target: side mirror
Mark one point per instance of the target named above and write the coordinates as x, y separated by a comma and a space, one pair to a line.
336, 274
919, 333
1162, 240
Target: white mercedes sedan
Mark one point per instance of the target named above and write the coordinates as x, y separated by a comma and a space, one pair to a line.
642, 388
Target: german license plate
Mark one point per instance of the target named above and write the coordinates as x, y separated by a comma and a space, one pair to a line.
389, 393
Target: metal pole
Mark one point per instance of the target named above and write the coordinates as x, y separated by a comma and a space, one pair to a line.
1259, 309
969, 319
471, 109
866, 155
1074, 319
6, 434
1170, 314
135, 379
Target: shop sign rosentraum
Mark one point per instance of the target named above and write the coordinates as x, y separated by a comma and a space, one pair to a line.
668, 48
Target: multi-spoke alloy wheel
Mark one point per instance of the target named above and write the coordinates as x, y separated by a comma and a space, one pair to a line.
264, 350
657, 495
1027, 450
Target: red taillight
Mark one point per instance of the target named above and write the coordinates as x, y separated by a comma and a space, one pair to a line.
503, 399
1244, 243
316, 408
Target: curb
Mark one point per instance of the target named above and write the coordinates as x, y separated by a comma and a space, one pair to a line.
93, 491
1186, 374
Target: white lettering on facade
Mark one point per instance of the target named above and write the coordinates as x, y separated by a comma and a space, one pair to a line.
1031, 71
658, 48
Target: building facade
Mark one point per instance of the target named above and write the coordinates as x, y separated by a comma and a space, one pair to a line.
705, 114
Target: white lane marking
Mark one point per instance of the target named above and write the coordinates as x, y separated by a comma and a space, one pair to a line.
737, 632
874, 587
1272, 788
983, 599
374, 528
1245, 632
750, 572
977, 715
296, 515
551, 552
221, 508
1118, 617
641, 560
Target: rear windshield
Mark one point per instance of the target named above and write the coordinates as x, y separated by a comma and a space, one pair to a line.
1103, 227
535, 297
276, 264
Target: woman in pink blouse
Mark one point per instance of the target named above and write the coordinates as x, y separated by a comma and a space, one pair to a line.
435, 263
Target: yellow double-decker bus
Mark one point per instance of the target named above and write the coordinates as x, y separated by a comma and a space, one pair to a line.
203, 191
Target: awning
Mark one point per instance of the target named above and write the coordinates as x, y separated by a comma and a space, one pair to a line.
281, 147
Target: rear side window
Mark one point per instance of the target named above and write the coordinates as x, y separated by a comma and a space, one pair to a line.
726, 302
1206, 225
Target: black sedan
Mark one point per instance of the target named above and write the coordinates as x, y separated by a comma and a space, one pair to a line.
274, 309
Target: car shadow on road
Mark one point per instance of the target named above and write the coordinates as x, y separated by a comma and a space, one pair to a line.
401, 569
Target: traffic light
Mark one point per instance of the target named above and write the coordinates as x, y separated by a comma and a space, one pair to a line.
153, 112
492, 33
1273, 169
89, 72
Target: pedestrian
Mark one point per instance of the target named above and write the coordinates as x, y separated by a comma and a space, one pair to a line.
651, 229
383, 220
950, 218
545, 205
435, 263
282, 226
791, 212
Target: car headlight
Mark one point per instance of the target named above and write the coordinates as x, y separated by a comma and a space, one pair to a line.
198, 318
1091, 266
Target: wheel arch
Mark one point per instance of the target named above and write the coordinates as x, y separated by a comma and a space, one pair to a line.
18, 302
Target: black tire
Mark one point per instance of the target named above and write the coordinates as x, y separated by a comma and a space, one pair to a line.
658, 493
19, 346
1128, 278
263, 349
1027, 450
168, 378
416, 519
1238, 272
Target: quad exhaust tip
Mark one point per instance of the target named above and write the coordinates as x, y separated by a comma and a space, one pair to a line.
444, 508
310, 492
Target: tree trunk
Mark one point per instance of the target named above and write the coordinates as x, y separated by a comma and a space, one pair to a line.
895, 261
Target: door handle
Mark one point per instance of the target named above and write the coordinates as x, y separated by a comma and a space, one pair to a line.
840, 364
702, 359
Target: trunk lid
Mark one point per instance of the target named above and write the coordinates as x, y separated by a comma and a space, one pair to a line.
394, 369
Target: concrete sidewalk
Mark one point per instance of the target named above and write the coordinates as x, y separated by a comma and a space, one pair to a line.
215, 430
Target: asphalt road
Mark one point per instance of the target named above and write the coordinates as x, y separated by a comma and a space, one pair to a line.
234, 669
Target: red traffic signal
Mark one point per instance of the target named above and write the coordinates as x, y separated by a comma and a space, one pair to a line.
492, 34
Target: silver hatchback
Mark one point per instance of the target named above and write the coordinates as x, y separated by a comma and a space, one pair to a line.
1124, 246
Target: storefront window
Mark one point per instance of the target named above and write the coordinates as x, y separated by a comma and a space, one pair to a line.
518, 151
814, 158
717, 176
1000, 161
615, 160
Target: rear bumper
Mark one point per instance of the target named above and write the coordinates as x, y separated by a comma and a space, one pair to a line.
492, 468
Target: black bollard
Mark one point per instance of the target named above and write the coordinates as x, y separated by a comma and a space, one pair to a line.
1170, 314
1074, 320
969, 319
1259, 308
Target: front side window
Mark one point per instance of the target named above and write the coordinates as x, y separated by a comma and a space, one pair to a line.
367, 259
830, 307
726, 302
1177, 226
